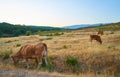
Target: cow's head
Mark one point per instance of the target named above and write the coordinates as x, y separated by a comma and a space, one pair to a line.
15, 59
100, 41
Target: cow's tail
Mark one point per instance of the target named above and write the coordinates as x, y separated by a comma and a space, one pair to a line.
45, 53
45, 47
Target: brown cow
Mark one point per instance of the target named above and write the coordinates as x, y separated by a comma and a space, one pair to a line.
100, 33
31, 51
95, 37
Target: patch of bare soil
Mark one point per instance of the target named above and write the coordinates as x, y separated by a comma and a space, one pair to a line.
19, 73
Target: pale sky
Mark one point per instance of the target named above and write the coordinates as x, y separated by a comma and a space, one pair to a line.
59, 13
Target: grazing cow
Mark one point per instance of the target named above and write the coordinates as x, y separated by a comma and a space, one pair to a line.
95, 37
31, 51
100, 33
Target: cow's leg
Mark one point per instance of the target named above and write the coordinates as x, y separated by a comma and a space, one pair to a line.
39, 59
45, 56
46, 62
27, 63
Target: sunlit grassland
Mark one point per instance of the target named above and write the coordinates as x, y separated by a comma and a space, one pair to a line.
91, 60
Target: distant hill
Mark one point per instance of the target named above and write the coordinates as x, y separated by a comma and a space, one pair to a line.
80, 26
84, 25
7, 29
104, 27
110, 27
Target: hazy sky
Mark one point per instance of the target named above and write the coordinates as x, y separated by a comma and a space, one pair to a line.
59, 12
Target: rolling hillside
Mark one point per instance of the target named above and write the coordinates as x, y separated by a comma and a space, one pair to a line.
8, 30
70, 54
107, 27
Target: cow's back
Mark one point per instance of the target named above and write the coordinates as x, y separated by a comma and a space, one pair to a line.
32, 50
27, 50
39, 48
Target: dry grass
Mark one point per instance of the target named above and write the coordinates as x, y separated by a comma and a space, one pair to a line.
102, 60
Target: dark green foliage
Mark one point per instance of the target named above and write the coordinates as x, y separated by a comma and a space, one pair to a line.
65, 47
72, 61
17, 32
28, 33
1, 34
7, 30
18, 45
9, 41
48, 67
50, 33
57, 34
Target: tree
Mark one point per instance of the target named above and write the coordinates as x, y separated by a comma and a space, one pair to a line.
28, 33
39, 32
17, 32
1, 34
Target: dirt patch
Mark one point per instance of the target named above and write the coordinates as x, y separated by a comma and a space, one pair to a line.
18, 73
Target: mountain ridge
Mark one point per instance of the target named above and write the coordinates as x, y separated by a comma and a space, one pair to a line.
83, 26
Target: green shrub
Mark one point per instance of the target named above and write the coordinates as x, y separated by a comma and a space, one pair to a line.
9, 41
111, 46
28, 33
48, 67
62, 33
49, 34
41, 39
57, 34
64, 46
1, 33
6, 54
18, 45
72, 61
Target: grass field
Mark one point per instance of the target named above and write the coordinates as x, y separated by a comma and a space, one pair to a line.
71, 53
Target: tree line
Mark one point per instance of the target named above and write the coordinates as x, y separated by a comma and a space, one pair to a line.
10, 30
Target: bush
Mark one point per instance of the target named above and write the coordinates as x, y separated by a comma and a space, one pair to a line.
57, 34
28, 33
9, 41
6, 54
18, 45
64, 46
1, 33
50, 67
72, 61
